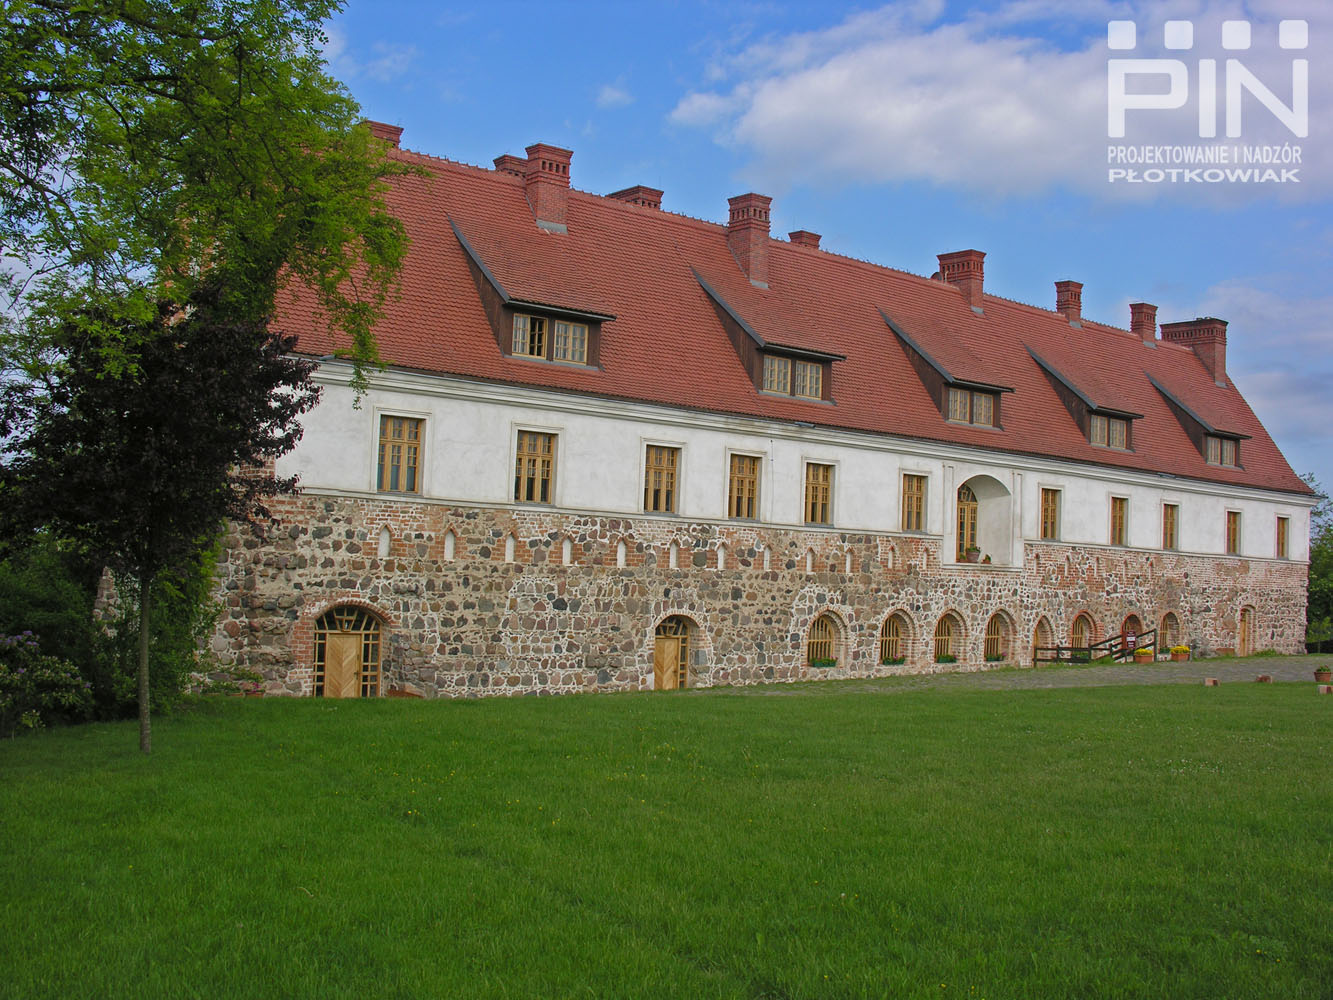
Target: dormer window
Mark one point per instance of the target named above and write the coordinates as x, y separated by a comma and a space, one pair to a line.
791, 377
971, 406
1109, 432
1222, 451
565, 341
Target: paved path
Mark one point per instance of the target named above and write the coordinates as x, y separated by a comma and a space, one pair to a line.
1227, 671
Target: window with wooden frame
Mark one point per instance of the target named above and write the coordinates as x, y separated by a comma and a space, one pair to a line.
914, 502
1119, 514
529, 336
792, 377
659, 479
1170, 526
777, 374
1283, 533
891, 640
1109, 432
399, 455
821, 646
818, 491
564, 341
945, 640
1221, 451
807, 380
534, 467
967, 521
997, 630
1050, 514
743, 488
1233, 532
971, 406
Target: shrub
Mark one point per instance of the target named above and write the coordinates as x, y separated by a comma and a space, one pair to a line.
824, 663
946, 658
893, 661
37, 690
994, 659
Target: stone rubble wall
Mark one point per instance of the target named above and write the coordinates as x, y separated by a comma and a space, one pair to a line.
460, 620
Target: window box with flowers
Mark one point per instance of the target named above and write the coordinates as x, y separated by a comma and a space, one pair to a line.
1144, 654
824, 663
1180, 653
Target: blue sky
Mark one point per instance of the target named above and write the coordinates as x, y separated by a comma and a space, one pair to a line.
905, 130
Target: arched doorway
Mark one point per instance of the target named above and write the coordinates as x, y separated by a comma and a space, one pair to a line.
967, 521
1245, 632
1080, 633
671, 653
1042, 637
347, 653
1170, 631
1130, 631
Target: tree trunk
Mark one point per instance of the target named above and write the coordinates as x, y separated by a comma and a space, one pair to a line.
145, 725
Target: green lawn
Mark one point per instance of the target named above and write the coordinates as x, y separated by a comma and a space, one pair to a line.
1110, 842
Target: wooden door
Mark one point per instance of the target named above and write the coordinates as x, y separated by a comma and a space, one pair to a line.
1243, 639
666, 663
342, 665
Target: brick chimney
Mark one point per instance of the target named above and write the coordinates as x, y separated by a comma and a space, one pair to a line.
964, 269
747, 235
389, 133
639, 195
1069, 300
1208, 339
805, 238
510, 164
1143, 322
546, 183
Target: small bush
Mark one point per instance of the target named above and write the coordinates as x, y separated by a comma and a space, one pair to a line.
824, 663
946, 658
994, 659
893, 661
37, 690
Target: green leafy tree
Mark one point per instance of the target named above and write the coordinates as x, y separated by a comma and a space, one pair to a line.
1319, 611
141, 466
148, 145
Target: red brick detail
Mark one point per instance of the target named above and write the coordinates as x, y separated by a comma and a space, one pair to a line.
389, 133
1207, 337
1143, 321
546, 182
965, 270
1069, 300
747, 234
805, 238
639, 195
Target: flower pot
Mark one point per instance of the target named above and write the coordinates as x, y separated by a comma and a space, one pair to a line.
1180, 657
1143, 657
972, 555
1323, 675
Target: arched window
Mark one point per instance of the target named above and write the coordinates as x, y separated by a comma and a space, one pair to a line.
821, 649
967, 521
891, 640
671, 653
997, 638
347, 654
948, 637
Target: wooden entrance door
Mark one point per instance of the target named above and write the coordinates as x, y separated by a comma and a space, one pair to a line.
666, 663
1243, 638
342, 665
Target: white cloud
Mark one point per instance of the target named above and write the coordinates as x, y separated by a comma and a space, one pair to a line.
614, 95
1012, 100
386, 63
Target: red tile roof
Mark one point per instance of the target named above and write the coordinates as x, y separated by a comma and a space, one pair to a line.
639, 264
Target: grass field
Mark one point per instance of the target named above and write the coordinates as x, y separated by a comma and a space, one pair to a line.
1108, 842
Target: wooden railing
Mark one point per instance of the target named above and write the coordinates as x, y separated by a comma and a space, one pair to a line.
1116, 647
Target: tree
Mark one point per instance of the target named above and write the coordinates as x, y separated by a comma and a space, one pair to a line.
1319, 610
142, 465
147, 145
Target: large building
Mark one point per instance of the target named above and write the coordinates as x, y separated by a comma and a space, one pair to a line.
619, 448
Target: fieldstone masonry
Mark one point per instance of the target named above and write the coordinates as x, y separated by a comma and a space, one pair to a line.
460, 619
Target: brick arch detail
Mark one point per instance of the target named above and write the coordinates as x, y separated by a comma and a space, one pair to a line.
303, 634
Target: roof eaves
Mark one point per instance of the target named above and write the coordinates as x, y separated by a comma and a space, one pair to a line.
1177, 402
921, 352
726, 307
481, 264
